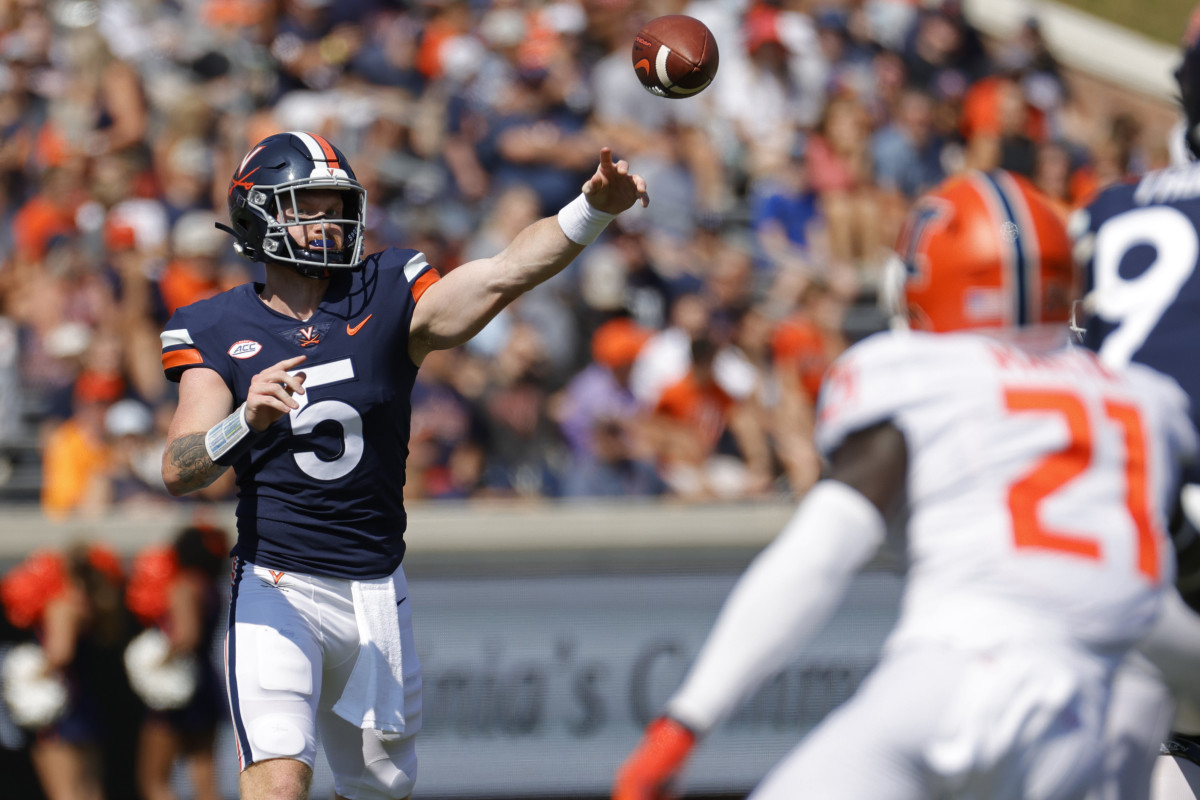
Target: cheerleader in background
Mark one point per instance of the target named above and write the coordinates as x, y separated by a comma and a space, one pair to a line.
175, 590
72, 603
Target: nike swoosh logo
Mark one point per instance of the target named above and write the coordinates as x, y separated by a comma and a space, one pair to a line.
353, 330
643, 64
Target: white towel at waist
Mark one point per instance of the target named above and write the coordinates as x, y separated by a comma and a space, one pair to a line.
374, 694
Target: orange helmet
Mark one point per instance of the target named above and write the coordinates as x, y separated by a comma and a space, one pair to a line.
985, 250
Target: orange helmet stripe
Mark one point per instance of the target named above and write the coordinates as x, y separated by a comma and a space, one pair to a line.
330, 154
319, 149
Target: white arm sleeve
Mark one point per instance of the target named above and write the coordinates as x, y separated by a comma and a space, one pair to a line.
786, 594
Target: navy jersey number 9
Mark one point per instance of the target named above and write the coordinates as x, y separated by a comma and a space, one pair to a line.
1125, 309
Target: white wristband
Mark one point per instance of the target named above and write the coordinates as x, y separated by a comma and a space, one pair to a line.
581, 222
229, 438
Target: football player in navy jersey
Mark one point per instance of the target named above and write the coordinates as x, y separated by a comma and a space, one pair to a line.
1139, 245
317, 364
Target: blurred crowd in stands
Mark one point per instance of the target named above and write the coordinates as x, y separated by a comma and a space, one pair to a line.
678, 357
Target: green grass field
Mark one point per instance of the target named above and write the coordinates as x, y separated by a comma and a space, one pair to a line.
1163, 20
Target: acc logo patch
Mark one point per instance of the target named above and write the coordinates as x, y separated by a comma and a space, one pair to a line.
244, 348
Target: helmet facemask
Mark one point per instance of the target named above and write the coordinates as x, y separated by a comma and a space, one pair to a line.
275, 210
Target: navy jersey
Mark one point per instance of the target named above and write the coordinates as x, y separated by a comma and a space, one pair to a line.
321, 490
1139, 243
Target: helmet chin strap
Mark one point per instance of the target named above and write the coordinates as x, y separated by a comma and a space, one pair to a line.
238, 244
314, 271
306, 272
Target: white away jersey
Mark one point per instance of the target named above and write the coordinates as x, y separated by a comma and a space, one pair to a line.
1039, 483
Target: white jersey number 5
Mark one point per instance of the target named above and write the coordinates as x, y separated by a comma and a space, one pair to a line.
306, 418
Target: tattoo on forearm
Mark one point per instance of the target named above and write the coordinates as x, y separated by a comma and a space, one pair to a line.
189, 455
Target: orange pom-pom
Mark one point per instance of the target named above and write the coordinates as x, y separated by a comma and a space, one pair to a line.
148, 592
30, 586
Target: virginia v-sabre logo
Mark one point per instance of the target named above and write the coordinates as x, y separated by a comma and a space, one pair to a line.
307, 335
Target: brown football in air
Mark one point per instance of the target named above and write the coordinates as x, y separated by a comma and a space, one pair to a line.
675, 56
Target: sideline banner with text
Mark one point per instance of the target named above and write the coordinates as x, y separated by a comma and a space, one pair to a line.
542, 685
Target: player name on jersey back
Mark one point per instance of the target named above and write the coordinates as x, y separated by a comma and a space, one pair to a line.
1168, 185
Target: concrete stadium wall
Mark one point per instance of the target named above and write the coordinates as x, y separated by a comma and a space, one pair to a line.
436, 529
